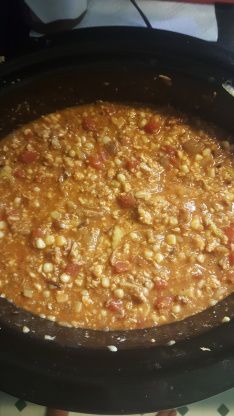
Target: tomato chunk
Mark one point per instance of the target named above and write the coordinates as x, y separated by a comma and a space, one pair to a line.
114, 305
231, 258
164, 302
37, 233
229, 278
89, 124
28, 156
2, 212
19, 173
72, 269
170, 150
161, 284
132, 164
126, 201
152, 126
121, 266
97, 160
229, 231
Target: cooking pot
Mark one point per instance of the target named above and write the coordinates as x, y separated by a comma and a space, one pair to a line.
117, 371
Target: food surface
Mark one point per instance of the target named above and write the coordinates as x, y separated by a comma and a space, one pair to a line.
116, 217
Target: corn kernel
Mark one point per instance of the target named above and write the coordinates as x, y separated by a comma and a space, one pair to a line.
196, 224
119, 293
55, 215
118, 162
86, 300
36, 204
36, 189
105, 282
134, 236
64, 278
184, 168
46, 294
159, 257
127, 187
148, 254
201, 258
28, 293
121, 177
173, 221
79, 281
206, 152
40, 243
198, 157
49, 240
72, 153
171, 239
211, 172
38, 286
48, 267
17, 201
78, 306
60, 241
176, 309
61, 297
106, 140
3, 225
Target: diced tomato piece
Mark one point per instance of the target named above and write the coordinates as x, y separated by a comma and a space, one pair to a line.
161, 284
126, 201
89, 124
164, 302
121, 266
231, 258
97, 160
28, 156
19, 173
72, 269
229, 231
170, 150
152, 126
114, 305
37, 233
2, 214
132, 164
229, 278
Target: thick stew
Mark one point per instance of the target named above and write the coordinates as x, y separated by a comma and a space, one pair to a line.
116, 217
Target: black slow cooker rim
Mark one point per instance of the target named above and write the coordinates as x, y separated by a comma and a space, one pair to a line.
209, 347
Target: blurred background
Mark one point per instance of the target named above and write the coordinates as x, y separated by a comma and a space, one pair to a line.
24, 21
